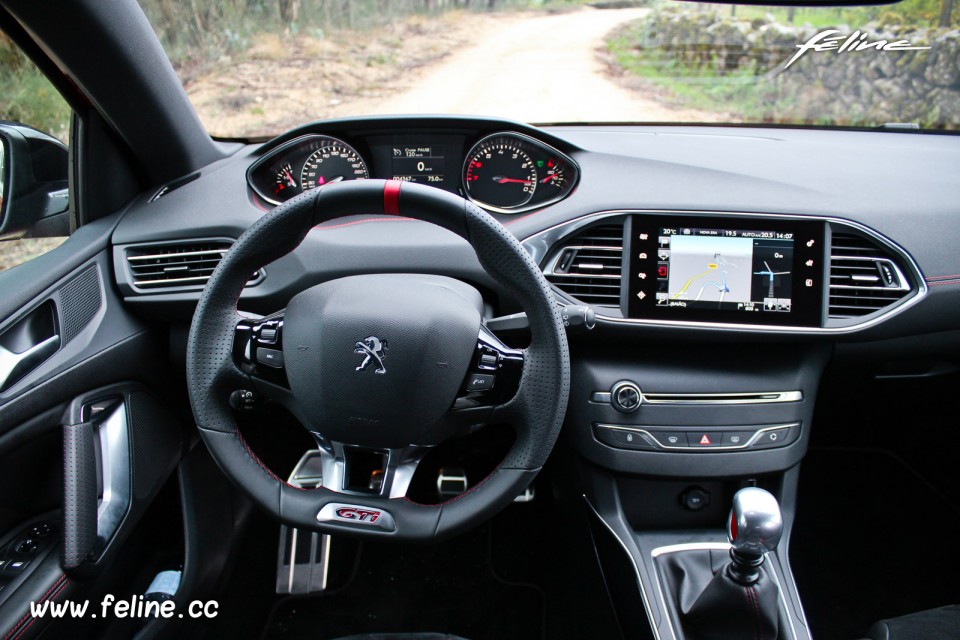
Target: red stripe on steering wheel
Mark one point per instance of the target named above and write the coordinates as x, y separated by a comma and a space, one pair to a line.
391, 197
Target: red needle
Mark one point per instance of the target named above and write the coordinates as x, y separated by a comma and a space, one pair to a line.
548, 178
502, 180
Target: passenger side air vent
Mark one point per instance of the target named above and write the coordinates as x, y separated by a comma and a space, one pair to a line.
864, 278
588, 265
166, 266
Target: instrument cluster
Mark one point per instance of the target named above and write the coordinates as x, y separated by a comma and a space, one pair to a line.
505, 172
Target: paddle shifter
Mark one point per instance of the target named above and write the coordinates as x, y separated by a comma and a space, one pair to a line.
754, 528
717, 599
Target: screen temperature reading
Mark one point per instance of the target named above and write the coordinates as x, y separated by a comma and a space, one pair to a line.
417, 164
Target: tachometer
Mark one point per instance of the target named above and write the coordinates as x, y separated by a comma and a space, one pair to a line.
500, 173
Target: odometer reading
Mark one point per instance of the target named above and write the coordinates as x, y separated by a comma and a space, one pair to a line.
499, 173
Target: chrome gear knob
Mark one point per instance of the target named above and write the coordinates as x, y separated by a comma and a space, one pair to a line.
755, 523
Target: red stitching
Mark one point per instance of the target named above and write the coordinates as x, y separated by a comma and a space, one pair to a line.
40, 601
365, 221
52, 598
756, 608
942, 282
955, 275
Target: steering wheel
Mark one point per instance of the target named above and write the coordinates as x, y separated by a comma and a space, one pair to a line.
390, 364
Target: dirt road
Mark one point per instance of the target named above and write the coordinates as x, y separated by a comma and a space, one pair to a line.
533, 68
528, 66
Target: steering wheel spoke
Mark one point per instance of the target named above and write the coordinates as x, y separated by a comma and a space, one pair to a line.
358, 472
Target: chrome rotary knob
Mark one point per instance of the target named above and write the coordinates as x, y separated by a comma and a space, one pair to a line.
626, 397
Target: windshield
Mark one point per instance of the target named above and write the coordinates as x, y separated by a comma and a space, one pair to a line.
254, 68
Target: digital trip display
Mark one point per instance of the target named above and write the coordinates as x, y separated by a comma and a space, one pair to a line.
770, 272
425, 165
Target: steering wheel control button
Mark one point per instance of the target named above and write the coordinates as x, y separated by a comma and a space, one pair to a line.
270, 357
480, 382
268, 334
703, 439
736, 438
695, 498
359, 515
626, 397
41, 530
488, 361
772, 438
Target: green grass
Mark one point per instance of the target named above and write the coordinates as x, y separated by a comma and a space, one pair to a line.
922, 13
701, 88
27, 96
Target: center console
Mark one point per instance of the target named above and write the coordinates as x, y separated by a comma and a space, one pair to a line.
700, 383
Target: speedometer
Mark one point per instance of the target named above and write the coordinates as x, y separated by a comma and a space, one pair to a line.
302, 164
500, 173
332, 162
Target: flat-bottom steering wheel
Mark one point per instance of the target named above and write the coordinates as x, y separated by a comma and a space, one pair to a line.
393, 364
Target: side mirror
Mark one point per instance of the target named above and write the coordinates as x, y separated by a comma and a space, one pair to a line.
33, 183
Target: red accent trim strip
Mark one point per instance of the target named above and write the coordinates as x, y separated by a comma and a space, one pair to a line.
391, 197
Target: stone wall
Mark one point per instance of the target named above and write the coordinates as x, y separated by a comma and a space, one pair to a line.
861, 87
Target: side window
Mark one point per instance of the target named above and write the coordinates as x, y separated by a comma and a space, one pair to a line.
34, 132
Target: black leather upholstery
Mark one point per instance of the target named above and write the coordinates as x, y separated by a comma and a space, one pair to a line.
942, 623
706, 604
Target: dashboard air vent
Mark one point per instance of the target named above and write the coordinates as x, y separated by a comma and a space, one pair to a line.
176, 265
588, 265
864, 277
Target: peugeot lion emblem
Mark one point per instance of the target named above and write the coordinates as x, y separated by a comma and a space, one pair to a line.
373, 349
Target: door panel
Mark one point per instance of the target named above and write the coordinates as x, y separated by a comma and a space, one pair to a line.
73, 360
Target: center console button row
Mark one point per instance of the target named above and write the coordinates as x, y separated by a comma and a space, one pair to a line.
661, 439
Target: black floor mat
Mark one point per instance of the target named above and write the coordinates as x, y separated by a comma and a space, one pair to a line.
448, 587
872, 540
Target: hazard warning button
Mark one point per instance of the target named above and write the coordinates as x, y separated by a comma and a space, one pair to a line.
700, 439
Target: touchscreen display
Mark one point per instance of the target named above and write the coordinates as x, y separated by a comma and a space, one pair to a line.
761, 271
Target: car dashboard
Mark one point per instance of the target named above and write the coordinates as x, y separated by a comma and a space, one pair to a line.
725, 271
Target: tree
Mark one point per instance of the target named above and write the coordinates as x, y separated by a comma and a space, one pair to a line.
946, 11
289, 10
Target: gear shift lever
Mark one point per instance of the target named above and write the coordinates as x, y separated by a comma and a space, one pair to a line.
717, 600
754, 528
